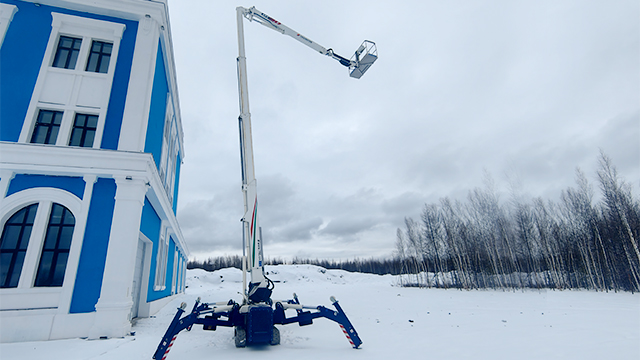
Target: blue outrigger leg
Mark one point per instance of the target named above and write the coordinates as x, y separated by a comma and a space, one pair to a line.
254, 322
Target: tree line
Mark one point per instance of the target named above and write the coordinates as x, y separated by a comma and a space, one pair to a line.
486, 243
369, 266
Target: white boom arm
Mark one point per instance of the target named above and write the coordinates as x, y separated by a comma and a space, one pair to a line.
358, 64
259, 289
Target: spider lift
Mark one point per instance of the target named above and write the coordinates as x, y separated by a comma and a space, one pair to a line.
254, 319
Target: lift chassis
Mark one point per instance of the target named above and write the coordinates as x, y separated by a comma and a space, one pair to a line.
253, 324
255, 318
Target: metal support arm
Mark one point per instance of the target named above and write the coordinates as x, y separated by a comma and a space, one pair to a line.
354, 64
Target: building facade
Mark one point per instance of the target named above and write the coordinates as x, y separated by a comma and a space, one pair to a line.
91, 145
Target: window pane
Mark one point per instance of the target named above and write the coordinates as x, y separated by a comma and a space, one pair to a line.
56, 214
45, 117
92, 64
52, 238
57, 117
53, 261
42, 279
67, 52
61, 58
14, 276
26, 234
76, 137
18, 217
73, 58
53, 135
39, 135
66, 42
83, 130
60, 266
99, 57
92, 122
66, 233
107, 48
5, 263
80, 120
10, 236
88, 139
13, 245
30, 213
104, 65
68, 218
46, 128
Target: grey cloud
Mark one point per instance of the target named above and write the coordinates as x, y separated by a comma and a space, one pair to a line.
532, 88
212, 223
348, 226
297, 230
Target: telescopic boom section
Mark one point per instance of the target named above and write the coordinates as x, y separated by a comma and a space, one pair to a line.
259, 289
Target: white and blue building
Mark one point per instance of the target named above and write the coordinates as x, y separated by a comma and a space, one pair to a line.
91, 145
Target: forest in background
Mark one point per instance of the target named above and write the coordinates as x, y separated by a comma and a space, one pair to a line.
484, 242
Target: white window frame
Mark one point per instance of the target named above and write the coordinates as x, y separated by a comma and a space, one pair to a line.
161, 258
167, 166
6, 15
25, 295
166, 133
88, 30
174, 279
183, 284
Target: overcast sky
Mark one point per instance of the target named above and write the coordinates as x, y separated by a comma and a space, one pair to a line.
526, 90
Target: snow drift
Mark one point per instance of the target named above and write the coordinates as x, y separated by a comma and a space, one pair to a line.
393, 322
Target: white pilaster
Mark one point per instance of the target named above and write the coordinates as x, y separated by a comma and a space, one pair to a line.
114, 306
136, 110
6, 15
76, 246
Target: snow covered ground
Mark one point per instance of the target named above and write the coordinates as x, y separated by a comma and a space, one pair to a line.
393, 322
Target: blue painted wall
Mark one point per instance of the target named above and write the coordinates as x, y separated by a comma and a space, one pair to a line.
74, 185
93, 255
113, 120
20, 64
157, 110
150, 226
151, 293
31, 25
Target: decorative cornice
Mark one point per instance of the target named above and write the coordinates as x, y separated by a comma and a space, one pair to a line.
76, 161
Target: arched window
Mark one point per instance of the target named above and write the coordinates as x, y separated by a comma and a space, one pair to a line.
55, 250
13, 245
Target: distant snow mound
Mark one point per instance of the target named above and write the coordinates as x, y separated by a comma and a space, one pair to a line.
317, 274
303, 273
199, 276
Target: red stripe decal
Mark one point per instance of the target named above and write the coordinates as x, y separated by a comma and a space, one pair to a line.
347, 335
169, 347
